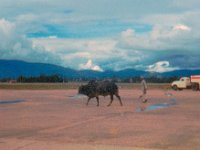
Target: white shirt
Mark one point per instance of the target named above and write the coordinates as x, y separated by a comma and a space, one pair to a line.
144, 84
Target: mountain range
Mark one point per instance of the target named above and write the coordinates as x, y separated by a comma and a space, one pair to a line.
16, 68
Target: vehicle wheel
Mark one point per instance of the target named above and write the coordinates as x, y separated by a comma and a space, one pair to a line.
195, 87
174, 87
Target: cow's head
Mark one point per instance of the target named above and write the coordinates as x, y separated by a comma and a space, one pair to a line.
82, 90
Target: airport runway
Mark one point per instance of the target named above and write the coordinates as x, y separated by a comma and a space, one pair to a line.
58, 119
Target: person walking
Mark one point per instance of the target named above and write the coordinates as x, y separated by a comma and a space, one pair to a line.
144, 90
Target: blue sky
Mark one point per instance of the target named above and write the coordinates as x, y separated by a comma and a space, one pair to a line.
97, 29
157, 35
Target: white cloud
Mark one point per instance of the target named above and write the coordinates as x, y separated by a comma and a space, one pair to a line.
89, 65
104, 51
95, 46
76, 51
6, 27
175, 32
9, 39
53, 37
181, 27
161, 66
17, 46
162, 37
128, 33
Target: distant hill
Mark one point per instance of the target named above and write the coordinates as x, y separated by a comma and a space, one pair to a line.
16, 68
181, 73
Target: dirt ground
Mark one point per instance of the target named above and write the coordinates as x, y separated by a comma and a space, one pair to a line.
55, 120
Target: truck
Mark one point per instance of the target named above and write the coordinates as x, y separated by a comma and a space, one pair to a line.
192, 82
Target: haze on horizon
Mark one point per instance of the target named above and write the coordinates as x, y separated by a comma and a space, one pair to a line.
158, 36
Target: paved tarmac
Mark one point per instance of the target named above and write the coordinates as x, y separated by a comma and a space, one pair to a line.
55, 119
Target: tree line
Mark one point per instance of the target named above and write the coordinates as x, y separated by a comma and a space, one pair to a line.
58, 79
41, 79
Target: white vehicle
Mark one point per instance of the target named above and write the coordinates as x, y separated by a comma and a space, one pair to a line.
183, 83
195, 81
186, 82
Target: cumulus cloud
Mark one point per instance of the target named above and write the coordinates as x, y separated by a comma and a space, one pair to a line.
76, 51
104, 51
17, 46
161, 66
69, 34
174, 37
6, 28
162, 37
12, 45
128, 33
90, 66
181, 27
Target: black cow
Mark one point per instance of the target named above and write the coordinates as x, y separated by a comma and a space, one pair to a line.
105, 88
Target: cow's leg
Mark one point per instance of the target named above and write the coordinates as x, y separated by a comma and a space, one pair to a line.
97, 100
111, 100
88, 100
117, 95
